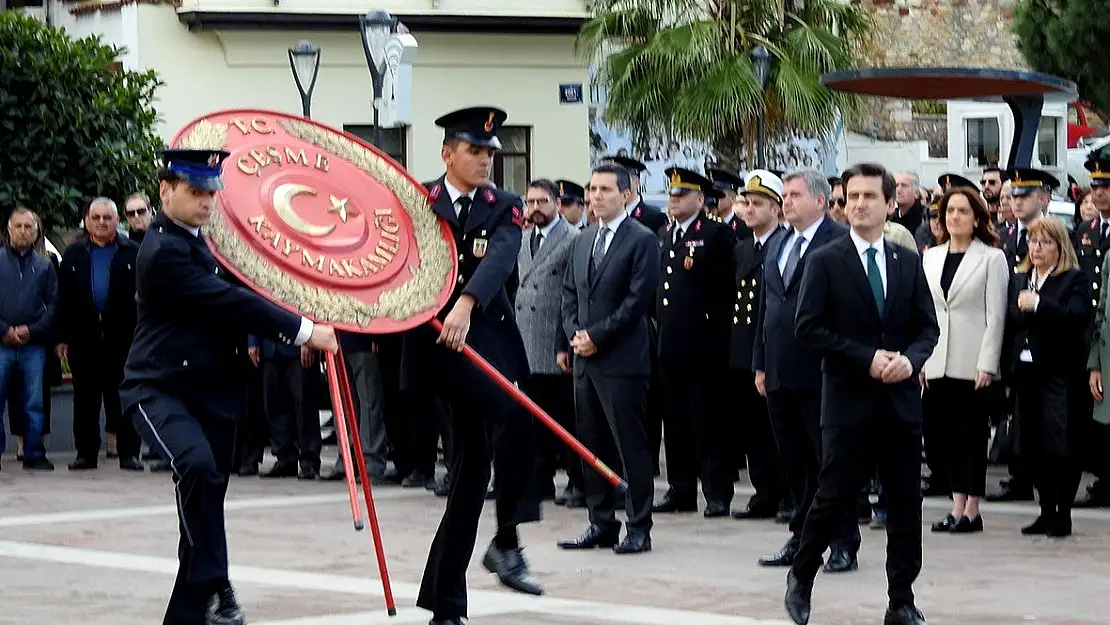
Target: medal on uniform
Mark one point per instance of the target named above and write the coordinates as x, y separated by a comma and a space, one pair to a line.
479, 249
688, 262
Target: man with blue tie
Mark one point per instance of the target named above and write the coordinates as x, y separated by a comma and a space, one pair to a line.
787, 373
183, 384
865, 309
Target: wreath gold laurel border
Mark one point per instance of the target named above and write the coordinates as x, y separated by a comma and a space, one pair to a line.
414, 296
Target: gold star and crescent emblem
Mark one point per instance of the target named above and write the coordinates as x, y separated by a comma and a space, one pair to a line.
283, 205
339, 206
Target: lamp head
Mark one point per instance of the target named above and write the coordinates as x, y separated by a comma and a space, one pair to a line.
377, 25
304, 58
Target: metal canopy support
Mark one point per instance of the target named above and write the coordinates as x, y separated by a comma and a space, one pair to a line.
1026, 110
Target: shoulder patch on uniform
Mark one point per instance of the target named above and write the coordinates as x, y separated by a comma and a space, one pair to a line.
434, 193
490, 197
518, 216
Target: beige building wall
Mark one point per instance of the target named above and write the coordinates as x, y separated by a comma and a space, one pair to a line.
519, 8
209, 71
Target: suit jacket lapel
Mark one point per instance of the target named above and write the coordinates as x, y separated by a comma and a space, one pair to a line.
893, 276
972, 259
618, 237
858, 275
442, 205
480, 210
771, 259
933, 266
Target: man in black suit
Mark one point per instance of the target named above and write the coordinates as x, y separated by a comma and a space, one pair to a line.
183, 384
609, 285
865, 308
694, 306
786, 372
486, 423
762, 214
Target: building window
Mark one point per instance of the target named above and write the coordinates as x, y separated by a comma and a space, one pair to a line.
1047, 136
513, 163
394, 140
983, 146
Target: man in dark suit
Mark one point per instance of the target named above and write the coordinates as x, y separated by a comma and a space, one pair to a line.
486, 423
609, 285
787, 373
865, 308
289, 382
694, 307
183, 385
653, 219
762, 215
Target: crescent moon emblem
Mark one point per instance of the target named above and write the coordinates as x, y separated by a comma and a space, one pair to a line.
283, 205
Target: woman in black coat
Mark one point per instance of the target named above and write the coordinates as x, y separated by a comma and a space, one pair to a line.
1049, 312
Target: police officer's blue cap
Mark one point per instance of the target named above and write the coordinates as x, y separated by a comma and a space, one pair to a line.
633, 166
571, 192
725, 180
476, 125
200, 168
1025, 180
953, 181
682, 181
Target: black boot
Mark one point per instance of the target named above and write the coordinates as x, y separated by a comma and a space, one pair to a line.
1068, 478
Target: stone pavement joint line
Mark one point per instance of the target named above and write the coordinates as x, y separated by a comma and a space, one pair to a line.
483, 603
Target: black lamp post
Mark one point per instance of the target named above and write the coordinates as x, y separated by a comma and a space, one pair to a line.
761, 62
377, 27
304, 60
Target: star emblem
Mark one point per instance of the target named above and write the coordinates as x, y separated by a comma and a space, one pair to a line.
339, 206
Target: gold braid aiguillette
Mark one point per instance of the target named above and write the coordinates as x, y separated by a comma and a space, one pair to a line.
419, 294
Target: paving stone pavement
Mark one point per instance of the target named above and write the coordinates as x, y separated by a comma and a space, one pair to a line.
99, 548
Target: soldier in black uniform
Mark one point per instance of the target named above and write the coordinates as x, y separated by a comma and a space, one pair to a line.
1092, 244
731, 185
762, 217
694, 308
183, 384
487, 424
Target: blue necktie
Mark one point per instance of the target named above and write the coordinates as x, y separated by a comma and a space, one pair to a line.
875, 279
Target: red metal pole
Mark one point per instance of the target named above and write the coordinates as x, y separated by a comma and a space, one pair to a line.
356, 441
344, 444
587, 456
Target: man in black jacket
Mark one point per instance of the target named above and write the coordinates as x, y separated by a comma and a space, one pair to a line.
27, 312
96, 320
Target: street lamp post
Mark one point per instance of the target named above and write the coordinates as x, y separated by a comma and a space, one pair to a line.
761, 62
377, 27
304, 60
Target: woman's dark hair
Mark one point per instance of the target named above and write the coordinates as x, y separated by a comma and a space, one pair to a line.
984, 224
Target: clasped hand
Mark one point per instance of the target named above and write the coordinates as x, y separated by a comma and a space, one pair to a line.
890, 367
1027, 301
582, 345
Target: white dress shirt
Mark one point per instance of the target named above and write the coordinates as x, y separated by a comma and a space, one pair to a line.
611, 227
684, 227
880, 258
455, 194
808, 233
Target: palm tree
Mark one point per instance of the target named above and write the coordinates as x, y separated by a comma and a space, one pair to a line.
682, 69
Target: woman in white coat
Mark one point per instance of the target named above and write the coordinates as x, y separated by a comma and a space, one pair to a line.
968, 276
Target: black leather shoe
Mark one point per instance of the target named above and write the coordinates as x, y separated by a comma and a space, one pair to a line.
594, 538
715, 510
754, 512
131, 464
633, 543
1039, 527
785, 557
904, 615
280, 469
38, 464
1061, 526
511, 569
798, 599
944, 525
967, 525
223, 609
83, 464
416, 479
675, 503
784, 517
841, 562
308, 473
446, 621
